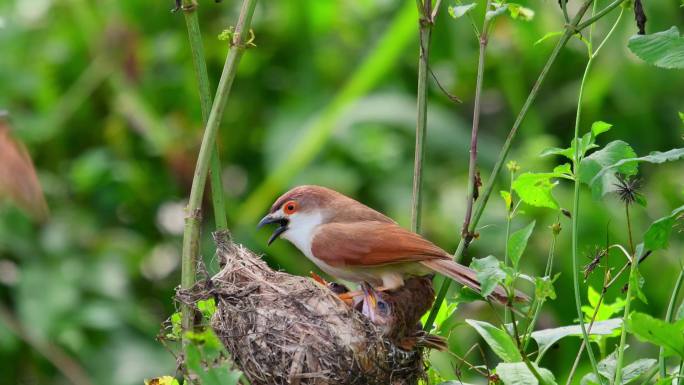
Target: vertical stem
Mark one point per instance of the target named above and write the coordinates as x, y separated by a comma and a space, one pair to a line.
200, 67
628, 301
484, 197
575, 223
193, 210
668, 317
425, 25
472, 165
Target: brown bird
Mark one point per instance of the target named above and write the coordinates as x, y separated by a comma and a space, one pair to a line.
351, 241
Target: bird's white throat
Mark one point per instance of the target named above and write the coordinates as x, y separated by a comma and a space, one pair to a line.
301, 229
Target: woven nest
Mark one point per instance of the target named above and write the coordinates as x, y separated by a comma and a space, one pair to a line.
285, 329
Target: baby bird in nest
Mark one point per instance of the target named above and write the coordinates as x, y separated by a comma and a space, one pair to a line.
397, 313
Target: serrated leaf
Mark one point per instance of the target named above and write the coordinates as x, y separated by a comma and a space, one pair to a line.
488, 272
547, 337
548, 35
594, 168
519, 374
498, 340
663, 49
658, 234
670, 336
518, 242
457, 11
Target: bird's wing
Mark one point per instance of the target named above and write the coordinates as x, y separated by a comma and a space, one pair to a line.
371, 243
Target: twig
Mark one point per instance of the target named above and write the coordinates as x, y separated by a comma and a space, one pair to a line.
466, 234
628, 302
193, 210
425, 27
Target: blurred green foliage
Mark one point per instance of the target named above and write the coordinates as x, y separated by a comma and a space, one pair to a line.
103, 95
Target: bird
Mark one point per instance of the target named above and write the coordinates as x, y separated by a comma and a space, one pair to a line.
351, 241
397, 314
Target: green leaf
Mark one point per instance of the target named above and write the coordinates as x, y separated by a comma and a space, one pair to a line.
497, 339
543, 287
599, 127
658, 234
663, 49
548, 35
507, 200
681, 116
535, 189
498, 10
488, 272
207, 307
519, 374
630, 163
606, 310
547, 337
519, 12
457, 11
634, 370
636, 281
656, 331
518, 242
593, 167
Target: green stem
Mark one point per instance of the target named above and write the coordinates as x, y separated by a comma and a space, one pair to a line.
540, 303
628, 302
668, 317
599, 15
482, 201
472, 164
193, 210
200, 67
509, 217
425, 23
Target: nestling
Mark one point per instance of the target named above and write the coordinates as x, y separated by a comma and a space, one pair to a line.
351, 241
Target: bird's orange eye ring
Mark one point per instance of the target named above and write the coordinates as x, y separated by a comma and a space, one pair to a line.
290, 207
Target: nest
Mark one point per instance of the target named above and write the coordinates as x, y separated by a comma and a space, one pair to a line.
285, 329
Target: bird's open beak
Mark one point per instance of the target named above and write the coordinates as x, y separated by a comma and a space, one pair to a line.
270, 218
370, 301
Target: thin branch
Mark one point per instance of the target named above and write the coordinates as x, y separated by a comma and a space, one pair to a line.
668, 317
425, 27
472, 165
193, 210
200, 67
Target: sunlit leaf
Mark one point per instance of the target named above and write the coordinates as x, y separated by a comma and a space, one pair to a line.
507, 199
518, 242
656, 331
535, 189
599, 127
164, 380
658, 234
543, 287
605, 311
457, 11
488, 272
663, 49
519, 374
547, 337
497, 339
519, 12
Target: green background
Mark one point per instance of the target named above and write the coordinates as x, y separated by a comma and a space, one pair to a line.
103, 95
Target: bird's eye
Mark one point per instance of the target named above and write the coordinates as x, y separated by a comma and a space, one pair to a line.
290, 207
382, 306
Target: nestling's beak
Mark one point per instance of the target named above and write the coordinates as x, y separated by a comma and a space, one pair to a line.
272, 218
370, 301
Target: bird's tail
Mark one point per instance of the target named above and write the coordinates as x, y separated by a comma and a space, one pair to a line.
467, 277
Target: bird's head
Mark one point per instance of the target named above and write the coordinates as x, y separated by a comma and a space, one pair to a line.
301, 209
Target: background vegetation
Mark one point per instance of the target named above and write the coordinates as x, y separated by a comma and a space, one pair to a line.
103, 95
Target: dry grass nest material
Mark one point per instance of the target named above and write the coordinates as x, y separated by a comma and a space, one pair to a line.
285, 329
